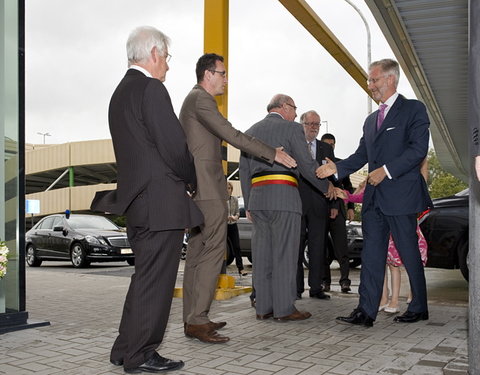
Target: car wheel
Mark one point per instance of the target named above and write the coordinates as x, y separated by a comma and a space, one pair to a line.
355, 262
78, 256
463, 259
131, 262
183, 254
305, 256
32, 259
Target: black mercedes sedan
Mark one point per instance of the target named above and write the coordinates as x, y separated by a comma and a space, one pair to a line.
445, 227
82, 239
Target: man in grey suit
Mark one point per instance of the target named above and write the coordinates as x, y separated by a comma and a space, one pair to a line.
155, 172
205, 128
273, 204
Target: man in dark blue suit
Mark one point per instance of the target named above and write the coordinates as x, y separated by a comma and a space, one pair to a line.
394, 143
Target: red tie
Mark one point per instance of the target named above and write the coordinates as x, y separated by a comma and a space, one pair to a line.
381, 115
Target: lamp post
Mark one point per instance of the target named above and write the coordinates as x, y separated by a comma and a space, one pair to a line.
369, 47
326, 125
44, 135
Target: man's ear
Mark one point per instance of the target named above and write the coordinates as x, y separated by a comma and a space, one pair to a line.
153, 54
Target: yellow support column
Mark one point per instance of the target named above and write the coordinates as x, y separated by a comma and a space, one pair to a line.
216, 41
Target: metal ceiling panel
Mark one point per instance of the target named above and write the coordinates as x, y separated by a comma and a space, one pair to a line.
430, 40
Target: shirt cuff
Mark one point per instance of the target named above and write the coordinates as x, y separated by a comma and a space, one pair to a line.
387, 172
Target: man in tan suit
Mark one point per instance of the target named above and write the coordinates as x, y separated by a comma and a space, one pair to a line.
205, 128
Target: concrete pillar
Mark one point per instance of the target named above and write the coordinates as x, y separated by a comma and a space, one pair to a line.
474, 238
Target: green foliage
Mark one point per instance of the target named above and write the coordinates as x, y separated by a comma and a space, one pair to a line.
440, 182
121, 221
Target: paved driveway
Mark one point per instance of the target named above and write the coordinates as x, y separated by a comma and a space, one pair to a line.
84, 308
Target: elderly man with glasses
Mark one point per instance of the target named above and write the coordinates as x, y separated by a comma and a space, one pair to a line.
315, 214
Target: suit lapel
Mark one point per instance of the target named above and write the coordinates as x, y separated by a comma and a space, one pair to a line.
320, 154
391, 116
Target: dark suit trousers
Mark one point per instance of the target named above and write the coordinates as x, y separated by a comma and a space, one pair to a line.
149, 297
376, 228
234, 237
338, 232
313, 228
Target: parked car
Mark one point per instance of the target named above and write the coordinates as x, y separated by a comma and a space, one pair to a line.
82, 239
354, 236
445, 227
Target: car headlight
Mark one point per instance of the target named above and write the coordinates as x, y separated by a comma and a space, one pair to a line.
95, 240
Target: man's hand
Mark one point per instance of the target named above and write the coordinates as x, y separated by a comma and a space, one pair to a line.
326, 170
376, 176
283, 158
350, 214
333, 213
330, 194
340, 193
249, 217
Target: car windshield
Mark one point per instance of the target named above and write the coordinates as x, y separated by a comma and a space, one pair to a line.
462, 193
91, 222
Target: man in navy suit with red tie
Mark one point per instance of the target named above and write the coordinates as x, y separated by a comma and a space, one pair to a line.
394, 143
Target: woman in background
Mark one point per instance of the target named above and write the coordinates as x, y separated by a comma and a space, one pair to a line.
232, 231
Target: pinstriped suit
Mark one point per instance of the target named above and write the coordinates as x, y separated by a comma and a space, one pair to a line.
154, 169
400, 144
276, 212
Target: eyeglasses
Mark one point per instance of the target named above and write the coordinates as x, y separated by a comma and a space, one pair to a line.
222, 73
374, 80
316, 124
291, 105
168, 57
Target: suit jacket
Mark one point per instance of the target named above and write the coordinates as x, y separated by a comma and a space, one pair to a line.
310, 195
277, 132
205, 128
152, 155
401, 144
344, 184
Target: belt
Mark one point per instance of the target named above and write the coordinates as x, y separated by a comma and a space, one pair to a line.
277, 178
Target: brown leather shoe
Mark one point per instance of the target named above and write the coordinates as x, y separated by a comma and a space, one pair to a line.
217, 325
296, 315
264, 316
205, 333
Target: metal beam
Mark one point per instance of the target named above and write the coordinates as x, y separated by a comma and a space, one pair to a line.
394, 30
320, 31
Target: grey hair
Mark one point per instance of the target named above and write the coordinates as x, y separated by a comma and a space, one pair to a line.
142, 40
388, 66
277, 101
304, 115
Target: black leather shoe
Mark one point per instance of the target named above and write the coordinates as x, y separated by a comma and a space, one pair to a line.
320, 295
356, 317
326, 287
345, 287
156, 363
116, 362
411, 317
